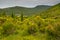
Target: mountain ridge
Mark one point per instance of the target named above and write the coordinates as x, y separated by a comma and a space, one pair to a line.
26, 11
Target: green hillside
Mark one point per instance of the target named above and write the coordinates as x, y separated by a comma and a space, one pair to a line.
45, 26
53, 12
26, 11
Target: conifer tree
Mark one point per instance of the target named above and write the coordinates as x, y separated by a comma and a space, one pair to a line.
22, 16
12, 15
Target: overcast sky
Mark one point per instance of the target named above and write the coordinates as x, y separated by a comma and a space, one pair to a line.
26, 3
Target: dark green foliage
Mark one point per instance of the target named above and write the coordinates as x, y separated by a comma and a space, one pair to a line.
27, 11
39, 24
32, 30
21, 16
12, 15
0, 14
3, 13
8, 29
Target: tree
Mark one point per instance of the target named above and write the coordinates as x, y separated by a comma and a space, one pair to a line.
21, 16
12, 15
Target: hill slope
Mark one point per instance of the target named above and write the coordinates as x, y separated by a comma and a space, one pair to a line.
53, 12
26, 11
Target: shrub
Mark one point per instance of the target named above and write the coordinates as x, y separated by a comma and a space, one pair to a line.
8, 29
32, 29
2, 21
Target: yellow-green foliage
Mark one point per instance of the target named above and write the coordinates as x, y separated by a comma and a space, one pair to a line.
46, 26
31, 28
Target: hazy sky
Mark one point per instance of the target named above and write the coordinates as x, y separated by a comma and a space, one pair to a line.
27, 3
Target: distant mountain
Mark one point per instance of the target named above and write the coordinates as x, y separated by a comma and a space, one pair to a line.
24, 10
53, 12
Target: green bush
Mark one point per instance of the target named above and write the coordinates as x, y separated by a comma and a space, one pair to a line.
32, 29
8, 29
2, 21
